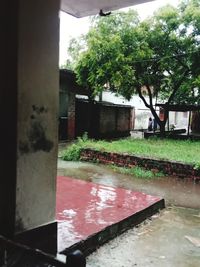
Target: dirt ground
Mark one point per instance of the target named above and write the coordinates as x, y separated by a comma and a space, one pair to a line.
171, 238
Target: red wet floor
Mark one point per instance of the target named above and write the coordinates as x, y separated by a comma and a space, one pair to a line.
84, 208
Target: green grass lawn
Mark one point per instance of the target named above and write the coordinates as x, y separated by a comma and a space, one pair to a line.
178, 150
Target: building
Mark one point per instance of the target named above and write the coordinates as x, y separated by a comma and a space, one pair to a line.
99, 119
178, 118
29, 76
103, 119
68, 90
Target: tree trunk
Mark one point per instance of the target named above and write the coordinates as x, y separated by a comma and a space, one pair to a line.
160, 122
162, 129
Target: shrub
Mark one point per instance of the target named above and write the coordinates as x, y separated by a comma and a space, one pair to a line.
197, 166
72, 153
83, 138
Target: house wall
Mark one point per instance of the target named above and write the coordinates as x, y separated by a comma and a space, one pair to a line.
114, 120
179, 119
195, 124
63, 101
71, 115
142, 114
101, 120
107, 120
124, 116
142, 118
67, 94
86, 119
63, 115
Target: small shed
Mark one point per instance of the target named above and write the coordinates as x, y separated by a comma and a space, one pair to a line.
103, 119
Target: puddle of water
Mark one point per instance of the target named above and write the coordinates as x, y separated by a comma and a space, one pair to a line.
83, 208
166, 241
175, 191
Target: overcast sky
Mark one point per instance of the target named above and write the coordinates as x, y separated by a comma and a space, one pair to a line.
73, 27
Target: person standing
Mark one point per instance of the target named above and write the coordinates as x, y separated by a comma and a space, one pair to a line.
155, 124
150, 124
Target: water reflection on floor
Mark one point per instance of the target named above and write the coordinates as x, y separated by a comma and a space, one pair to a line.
171, 239
175, 191
84, 208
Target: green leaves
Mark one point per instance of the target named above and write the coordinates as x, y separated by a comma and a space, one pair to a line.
122, 54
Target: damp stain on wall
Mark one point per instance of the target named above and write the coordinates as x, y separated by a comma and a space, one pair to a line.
36, 135
19, 226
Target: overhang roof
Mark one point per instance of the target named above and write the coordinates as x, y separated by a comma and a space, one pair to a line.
181, 107
83, 8
105, 103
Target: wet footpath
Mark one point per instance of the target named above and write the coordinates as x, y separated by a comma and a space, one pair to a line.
170, 238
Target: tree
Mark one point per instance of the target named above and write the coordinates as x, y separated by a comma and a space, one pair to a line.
161, 54
75, 47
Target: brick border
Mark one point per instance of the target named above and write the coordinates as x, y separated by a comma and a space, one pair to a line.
125, 160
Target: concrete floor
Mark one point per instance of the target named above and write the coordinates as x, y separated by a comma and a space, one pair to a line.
170, 239
162, 242
85, 208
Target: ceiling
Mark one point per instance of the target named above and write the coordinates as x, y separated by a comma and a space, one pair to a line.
83, 8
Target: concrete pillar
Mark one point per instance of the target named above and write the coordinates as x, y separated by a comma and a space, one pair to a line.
29, 79
132, 119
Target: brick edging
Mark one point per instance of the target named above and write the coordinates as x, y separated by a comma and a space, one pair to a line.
125, 160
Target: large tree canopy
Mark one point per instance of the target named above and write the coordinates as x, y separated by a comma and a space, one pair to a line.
160, 54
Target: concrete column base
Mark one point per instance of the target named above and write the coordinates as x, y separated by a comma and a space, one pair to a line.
43, 238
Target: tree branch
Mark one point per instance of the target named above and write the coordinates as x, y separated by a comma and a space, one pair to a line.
176, 86
150, 95
181, 62
150, 105
178, 58
142, 97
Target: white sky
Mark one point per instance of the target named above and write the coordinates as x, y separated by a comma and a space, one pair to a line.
73, 27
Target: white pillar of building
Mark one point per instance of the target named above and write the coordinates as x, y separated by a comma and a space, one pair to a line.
29, 81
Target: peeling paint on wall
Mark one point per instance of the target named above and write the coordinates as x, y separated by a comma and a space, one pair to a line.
37, 138
39, 110
36, 135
